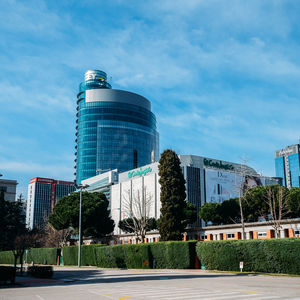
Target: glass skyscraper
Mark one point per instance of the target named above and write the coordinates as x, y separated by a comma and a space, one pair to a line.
287, 165
115, 129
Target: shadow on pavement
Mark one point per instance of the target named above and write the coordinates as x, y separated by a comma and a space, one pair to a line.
84, 277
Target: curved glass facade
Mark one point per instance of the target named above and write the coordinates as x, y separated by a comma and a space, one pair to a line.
115, 129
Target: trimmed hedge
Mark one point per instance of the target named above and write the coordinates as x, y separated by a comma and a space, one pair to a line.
270, 256
88, 255
124, 256
162, 255
42, 256
38, 256
174, 255
7, 257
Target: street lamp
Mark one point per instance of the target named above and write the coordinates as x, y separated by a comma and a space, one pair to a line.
81, 187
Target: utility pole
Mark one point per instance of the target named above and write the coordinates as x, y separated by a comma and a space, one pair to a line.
81, 187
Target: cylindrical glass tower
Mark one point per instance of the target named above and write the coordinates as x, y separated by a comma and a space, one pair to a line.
115, 129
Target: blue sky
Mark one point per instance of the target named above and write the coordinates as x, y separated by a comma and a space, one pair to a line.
223, 76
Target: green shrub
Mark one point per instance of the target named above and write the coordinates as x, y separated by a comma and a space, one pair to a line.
272, 255
6, 257
173, 255
88, 255
70, 255
138, 256
40, 271
124, 256
7, 273
46, 256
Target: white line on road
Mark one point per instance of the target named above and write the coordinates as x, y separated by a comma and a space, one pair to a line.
41, 298
101, 294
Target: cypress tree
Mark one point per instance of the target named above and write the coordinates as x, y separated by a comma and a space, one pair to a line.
172, 197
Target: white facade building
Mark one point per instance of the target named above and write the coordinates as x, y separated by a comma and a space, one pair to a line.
138, 190
207, 180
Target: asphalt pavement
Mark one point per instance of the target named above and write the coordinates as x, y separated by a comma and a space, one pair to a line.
94, 283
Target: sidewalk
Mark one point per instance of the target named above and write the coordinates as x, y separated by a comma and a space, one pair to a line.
27, 281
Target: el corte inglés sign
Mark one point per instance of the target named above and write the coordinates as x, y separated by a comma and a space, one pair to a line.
139, 172
217, 164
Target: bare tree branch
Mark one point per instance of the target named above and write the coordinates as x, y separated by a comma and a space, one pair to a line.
137, 207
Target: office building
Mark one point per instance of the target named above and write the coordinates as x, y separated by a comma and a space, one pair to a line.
9, 188
287, 165
101, 183
43, 193
115, 129
207, 180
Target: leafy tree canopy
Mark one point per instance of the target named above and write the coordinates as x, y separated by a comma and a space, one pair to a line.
96, 220
190, 213
129, 225
12, 222
230, 211
293, 202
172, 197
210, 212
255, 205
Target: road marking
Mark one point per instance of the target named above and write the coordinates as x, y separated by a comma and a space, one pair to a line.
41, 298
107, 295
125, 297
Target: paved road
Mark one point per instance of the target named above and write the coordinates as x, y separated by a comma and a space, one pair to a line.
91, 283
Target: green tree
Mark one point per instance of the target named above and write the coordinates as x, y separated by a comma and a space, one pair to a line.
13, 233
230, 211
172, 197
129, 224
190, 213
96, 220
210, 212
226, 212
294, 202
12, 222
255, 204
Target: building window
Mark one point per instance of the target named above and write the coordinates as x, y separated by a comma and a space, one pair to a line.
230, 235
297, 232
262, 234
203, 237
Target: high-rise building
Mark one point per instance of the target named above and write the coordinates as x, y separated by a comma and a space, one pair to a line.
115, 129
287, 165
43, 193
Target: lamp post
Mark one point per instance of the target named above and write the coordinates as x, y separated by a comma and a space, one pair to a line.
81, 187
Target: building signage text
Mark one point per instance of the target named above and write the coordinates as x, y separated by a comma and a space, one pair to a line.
139, 172
217, 164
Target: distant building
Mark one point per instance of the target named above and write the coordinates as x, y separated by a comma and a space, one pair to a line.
287, 165
207, 180
102, 183
43, 193
9, 188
